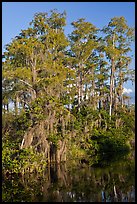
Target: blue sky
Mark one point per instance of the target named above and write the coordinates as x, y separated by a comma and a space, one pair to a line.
17, 15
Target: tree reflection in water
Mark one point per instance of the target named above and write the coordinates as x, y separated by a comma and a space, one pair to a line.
73, 183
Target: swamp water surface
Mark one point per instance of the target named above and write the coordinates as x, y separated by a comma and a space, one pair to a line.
70, 182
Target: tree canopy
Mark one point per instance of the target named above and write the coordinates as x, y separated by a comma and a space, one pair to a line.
61, 93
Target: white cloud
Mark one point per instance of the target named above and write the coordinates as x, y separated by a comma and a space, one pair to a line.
128, 91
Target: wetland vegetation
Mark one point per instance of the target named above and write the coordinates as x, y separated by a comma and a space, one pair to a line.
64, 114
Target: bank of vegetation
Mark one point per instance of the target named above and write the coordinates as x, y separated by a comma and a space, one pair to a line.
62, 95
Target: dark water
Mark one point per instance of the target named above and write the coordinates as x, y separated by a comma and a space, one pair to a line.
71, 182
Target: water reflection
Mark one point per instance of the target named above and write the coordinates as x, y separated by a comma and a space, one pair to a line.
69, 182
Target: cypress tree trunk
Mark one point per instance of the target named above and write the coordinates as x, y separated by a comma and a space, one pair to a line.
111, 91
93, 95
79, 90
7, 107
16, 105
112, 80
4, 107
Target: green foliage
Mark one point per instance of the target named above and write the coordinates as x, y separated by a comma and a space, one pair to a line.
64, 83
22, 121
15, 160
54, 138
7, 120
109, 142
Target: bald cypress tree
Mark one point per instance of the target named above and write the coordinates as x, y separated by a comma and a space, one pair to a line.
65, 89
83, 41
118, 38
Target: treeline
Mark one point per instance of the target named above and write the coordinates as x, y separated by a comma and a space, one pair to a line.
63, 95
